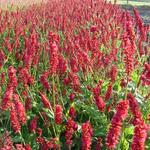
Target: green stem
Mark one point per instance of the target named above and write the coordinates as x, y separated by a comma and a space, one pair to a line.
126, 92
60, 91
22, 137
44, 122
53, 95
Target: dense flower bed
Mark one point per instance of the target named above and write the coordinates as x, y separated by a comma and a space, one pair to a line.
74, 75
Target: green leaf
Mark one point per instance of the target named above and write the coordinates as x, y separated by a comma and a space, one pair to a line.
124, 144
17, 139
129, 130
139, 97
135, 77
100, 132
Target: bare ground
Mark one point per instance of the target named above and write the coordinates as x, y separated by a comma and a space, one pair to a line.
144, 12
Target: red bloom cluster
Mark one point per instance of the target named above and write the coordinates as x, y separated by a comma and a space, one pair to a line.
39, 131
58, 114
14, 119
12, 84
52, 144
22, 147
97, 89
6, 101
123, 83
27, 147
108, 92
146, 75
74, 65
28, 105
72, 112
45, 101
6, 142
74, 81
2, 58
128, 59
72, 97
116, 124
134, 107
113, 73
62, 65
44, 81
140, 135
98, 99
71, 127
46, 145
30, 55
138, 19
100, 103
87, 132
33, 124
99, 144
84, 61
128, 43
93, 28
143, 29
20, 110
25, 77
140, 130
8, 44
53, 58
2, 78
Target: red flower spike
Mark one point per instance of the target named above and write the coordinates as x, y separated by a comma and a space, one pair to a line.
44, 81
45, 101
58, 114
19, 147
116, 124
108, 92
69, 131
134, 107
39, 131
27, 147
6, 142
6, 101
72, 112
72, 96
93, 28
87, 132
14, 120
33, 124
100, 103
20, 110
139, 137
53, 58
28, 105
113, 73
99, 144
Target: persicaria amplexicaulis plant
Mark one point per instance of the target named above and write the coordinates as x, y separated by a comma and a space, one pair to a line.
74, 75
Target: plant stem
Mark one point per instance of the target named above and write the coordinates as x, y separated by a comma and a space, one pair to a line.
53, 94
